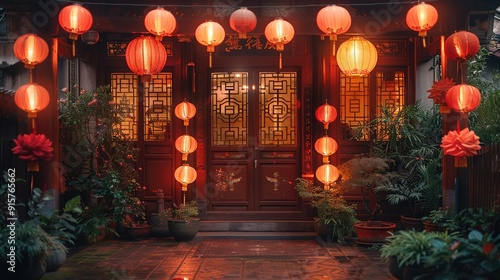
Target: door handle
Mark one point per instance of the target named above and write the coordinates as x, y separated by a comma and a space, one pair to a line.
255, 164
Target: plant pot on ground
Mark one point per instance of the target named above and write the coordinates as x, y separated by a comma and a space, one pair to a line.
183, 221
335, 219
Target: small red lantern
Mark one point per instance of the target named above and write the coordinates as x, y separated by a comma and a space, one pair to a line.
210, 34
326, 146
75, 20
326, 114
463, 98
160, 23
32, 98
185, 144
185, 175
333, 20
279, 32
185, 111
243, 21
327, 174
357, 57
31, 50
461, 45
421, 18
145, 56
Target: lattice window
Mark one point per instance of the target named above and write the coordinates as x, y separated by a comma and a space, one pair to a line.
354, 105
158, 108
124, 91
229, 112
277, 108
390, 92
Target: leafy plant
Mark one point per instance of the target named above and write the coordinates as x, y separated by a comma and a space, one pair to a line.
182, 212
469, 219
331, 208
438, 216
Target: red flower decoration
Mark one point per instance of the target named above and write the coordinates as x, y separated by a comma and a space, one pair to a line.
461, 143
32, 147
488, 247
439, 90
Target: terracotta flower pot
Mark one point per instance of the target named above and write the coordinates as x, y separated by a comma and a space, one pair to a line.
373, 233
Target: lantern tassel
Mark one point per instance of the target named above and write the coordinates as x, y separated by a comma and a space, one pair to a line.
281, 61
74, 49
209, 60
333, 48
423, 41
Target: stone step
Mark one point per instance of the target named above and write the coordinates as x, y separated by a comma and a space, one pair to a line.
257, 226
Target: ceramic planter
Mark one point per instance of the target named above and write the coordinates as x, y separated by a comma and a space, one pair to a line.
324, 231
412, 223
373, 233
56, 259
183, 230
140, 232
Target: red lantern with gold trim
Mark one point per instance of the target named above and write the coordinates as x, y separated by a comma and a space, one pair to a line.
160, 23
185, 111
326, 114
145, 57
243, 21
279, 32
463, 98
210, 34
31, 50
32, 98
327, 174
333, 20
326, 146
357, 57
75, 20
421, 18
185, 144
461, 45
185, 175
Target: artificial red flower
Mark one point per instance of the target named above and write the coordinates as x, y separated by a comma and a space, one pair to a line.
461, 143
488, 247
439, 90
32, 147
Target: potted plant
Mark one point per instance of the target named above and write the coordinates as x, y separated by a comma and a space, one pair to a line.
183, 221
368, 173
437, 219
136, 227
469, 219
335, 219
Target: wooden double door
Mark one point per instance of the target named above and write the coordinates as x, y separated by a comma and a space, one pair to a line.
253, 147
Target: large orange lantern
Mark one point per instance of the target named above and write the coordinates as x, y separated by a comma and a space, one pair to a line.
145, 57
326, 114
357, 57
185, 111
243, 21
75, 20
160, 23
326, 146
32, 98
185, 144
327, 174
421, 18
333, 20
279, 32
210, 34
31, 50
461, 45
463, 98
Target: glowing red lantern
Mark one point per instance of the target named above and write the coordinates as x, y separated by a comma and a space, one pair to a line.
32, 98
327, 174
210, 34
185, 175
357, 57
461, 45
31, 50
160, 23
333, 20
185, 144
279, 32
326, 146
75, 20
463, 98
421, 18
145, 56
243, 21
326, 114
185, 111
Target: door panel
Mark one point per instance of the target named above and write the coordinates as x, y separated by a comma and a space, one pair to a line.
253, 158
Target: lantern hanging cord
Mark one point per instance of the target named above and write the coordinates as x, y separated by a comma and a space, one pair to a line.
249, 7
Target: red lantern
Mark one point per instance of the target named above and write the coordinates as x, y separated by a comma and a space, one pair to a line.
326, 146
185, 111
326, 114
332, 21
185, 175
32, 98
145, 56
279, 32
421, 18
160, 23
357, 57
75, 20
243, 21
327, 174
463, 98
31, 50
185, 144
461, 45
210, 34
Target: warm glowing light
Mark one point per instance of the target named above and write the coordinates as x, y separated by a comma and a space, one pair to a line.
326, 114
160, 23
210, 34
421, 18
461, 45
357, 57
31, 49
185, 144
327, 174
145, 56
185, 175
333, 20
243, 21
463, 98
32, 98
75, 20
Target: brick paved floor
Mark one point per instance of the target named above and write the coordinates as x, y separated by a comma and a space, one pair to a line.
208, 257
